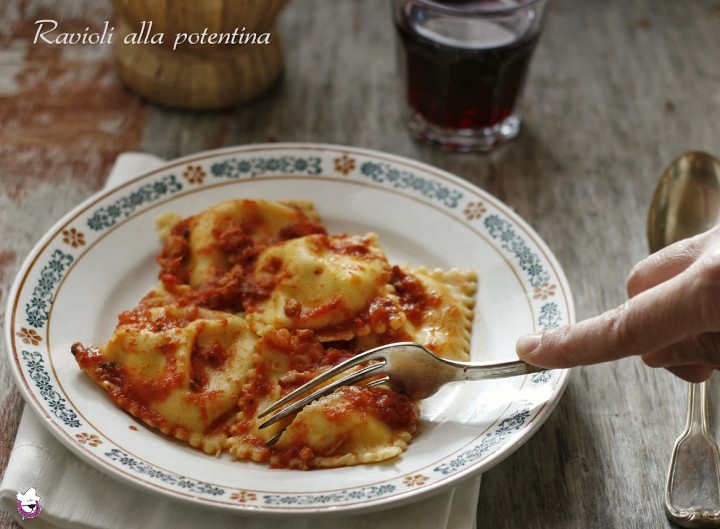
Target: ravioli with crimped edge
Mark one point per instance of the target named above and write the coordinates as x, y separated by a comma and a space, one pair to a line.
254, 299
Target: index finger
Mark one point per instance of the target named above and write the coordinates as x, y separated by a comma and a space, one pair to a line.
652, 320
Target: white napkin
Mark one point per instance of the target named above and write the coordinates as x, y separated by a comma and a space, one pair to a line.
73, 495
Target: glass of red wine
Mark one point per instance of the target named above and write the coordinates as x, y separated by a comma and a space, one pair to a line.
463, 65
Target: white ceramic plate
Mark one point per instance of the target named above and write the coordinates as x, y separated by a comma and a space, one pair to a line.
99, 260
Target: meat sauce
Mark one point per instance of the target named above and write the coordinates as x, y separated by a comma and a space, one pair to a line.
142, 318
135, 396
393, 409
415, 300
214, 356
235, 287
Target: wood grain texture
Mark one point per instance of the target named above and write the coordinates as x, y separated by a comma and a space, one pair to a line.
616, 90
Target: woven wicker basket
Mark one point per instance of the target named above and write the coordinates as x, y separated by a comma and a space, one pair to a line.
200, 75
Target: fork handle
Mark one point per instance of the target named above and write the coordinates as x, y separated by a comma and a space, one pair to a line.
501, 370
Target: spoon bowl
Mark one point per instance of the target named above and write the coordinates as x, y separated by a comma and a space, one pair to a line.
687, 202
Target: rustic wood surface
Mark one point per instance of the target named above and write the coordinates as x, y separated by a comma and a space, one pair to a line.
616, 90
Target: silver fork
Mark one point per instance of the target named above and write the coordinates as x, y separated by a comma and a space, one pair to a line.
406, 367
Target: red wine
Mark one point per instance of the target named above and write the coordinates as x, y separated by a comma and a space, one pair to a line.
462, 87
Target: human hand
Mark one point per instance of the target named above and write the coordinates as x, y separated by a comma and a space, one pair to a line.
671, 319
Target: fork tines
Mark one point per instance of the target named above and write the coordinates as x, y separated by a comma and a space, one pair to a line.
289, 405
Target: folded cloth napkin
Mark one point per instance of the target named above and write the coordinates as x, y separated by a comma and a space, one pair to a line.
73, 495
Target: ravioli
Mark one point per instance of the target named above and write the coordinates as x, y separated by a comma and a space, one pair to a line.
255, 298
219, 235
438, 307
179, 369
331, 284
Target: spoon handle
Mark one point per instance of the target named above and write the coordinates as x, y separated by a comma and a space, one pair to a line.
692, 495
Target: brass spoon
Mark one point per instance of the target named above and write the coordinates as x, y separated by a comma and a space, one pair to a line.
687, 202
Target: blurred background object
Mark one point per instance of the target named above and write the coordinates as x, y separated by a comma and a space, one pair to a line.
213, 53
464, 66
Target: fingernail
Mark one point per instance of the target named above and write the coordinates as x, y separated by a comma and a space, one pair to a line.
527, 344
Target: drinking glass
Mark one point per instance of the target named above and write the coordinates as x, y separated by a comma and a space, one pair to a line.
463, 65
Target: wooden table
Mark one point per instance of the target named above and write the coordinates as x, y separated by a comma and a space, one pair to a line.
616, 90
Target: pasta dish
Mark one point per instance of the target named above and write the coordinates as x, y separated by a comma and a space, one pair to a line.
255, 298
